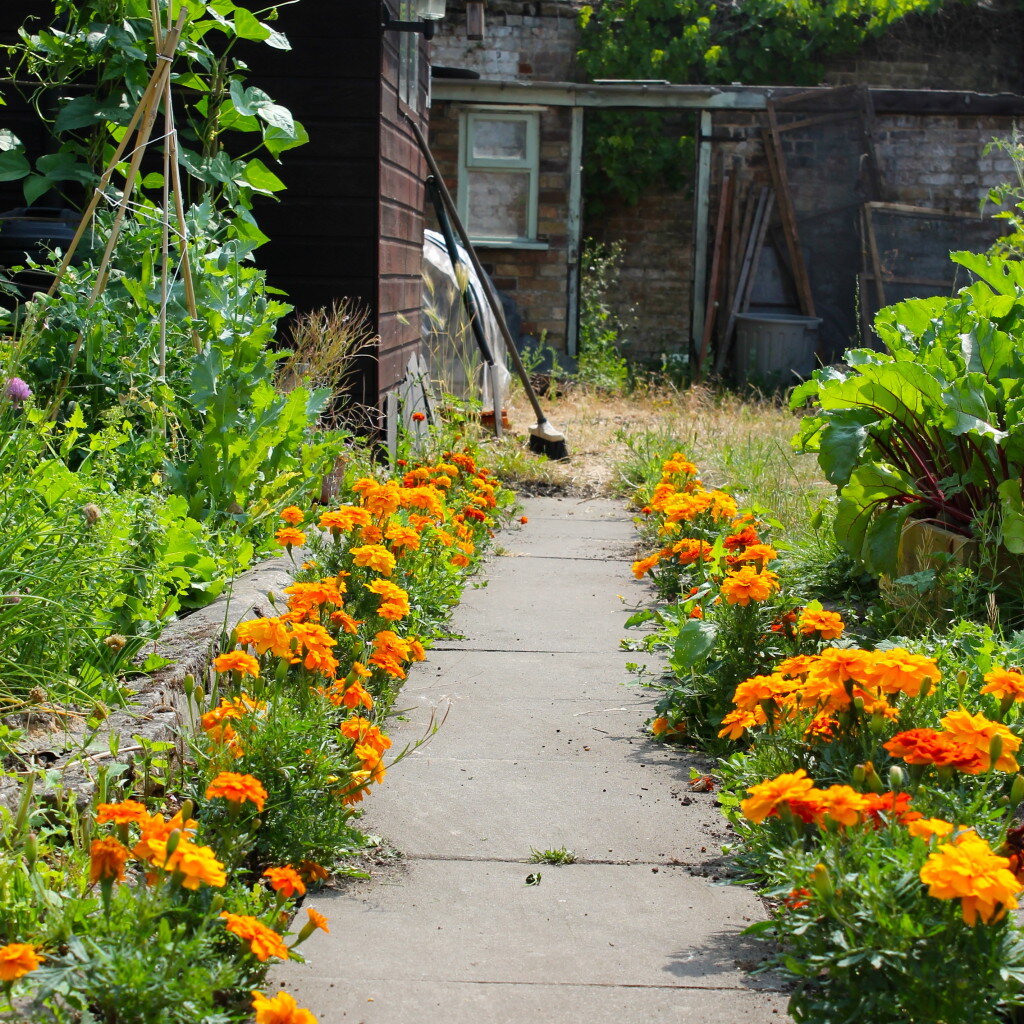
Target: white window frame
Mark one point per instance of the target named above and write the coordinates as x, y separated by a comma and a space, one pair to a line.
531, 163
408, 58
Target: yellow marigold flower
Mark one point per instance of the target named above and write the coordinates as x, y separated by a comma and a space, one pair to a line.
237, 789
18, 959
968, 870
375, 557
292, 515
978, 732
897, 670
828, 625
285, 881
107, 858
747, 584
263, 942
766, 797
237, 661
280, 1009
127, 812
289, 537
925, 828
1004, 683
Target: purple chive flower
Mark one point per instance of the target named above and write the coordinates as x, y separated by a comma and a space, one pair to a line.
17, 390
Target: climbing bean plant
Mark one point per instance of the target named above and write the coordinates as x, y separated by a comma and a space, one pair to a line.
779, 42
85, 69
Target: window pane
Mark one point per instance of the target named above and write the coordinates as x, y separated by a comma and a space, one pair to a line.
499, 140
499, 204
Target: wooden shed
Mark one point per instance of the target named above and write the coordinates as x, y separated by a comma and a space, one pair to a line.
350, 223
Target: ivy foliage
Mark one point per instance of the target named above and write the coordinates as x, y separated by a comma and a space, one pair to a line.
753, 42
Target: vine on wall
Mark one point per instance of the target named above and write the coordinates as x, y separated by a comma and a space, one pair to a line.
753, 42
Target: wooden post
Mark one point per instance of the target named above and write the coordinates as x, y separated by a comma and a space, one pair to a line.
574, 231
702, 200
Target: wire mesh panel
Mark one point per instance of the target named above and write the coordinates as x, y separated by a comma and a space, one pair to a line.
822, 141
906, 253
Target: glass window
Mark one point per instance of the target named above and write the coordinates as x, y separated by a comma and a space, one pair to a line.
498, 175
408, 57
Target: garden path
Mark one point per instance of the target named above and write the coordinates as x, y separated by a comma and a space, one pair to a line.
541, 749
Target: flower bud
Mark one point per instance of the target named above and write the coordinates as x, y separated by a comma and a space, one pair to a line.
926, 688
91, 512
995, 751
858, 775
897, 778
877, 724
858, 703
821, 882
871, 778
31, 849
172, 842
1017, 791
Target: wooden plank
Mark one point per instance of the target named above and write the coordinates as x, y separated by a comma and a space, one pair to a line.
574, 231
714, 291
808, 122
874, 260
700, 234
780, 182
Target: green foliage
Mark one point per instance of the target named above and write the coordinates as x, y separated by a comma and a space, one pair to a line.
93, 70
601, 362
758, 42
932, 427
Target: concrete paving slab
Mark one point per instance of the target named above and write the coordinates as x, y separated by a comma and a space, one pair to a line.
480, 922
572, 529
463, 807
494, 676
576, 510
365, 1001
545, 604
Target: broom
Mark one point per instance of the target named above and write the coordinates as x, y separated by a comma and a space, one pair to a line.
545, 439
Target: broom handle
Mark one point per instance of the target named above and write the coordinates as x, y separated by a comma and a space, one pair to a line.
492, 301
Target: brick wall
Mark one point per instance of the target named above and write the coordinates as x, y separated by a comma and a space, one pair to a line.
535, 278
523, 40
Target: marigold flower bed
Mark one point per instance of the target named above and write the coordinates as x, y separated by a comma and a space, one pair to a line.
191, 890
873, 788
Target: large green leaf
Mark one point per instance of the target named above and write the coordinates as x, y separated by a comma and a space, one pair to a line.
1003, 276
842, 443
1012, 520
695, 641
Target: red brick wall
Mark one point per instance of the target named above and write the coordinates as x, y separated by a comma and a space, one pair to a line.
536, 279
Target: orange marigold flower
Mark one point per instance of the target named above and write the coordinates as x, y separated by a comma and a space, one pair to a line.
897, 670
312, 872
418, 417
743, 539
761, 553
317, 919
372, 761
402, 537
237, 661
107, 858
644, 565
126, 812
383, 500
280, 1009
842, 804
263, 942
736, 723
365, 733
795, 899
292, 515
195, 865
18, 959
285, 881
925, 828
459, 561
828, 625
968, 870
394, 600
375, 557
926, 746
747, 584
346, 518
237, 789
979, 732
1004, 683
767, 797
345, 621
289, 536
893, 806
524, 519
267, 634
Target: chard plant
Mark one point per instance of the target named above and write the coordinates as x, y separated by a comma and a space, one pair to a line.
934, 426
